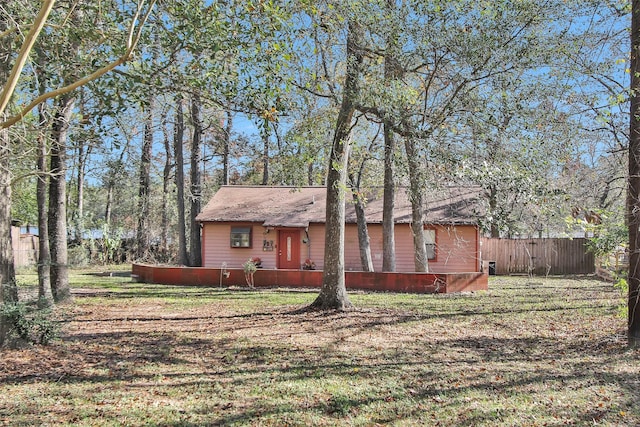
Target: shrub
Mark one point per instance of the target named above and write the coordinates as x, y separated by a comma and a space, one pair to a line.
28, 324
623, 286
111, 244
249, 268
78, 256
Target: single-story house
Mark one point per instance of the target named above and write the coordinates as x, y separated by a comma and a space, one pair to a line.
284, 227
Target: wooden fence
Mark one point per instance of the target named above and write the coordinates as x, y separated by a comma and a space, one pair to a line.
538, 256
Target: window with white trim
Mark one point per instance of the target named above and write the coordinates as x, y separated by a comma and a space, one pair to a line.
240, 237
430, 243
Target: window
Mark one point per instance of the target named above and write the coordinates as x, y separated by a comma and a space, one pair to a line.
240, 237
430, 243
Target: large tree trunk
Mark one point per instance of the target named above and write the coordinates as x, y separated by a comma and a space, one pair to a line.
178, 138
44, 256
143, 237
392, 71
57, 215
416, 188
633, 195
333, 294
196, 182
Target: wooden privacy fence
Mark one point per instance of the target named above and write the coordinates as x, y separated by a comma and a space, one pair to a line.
538, 256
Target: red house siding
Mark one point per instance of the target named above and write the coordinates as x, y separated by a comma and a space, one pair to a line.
456, 249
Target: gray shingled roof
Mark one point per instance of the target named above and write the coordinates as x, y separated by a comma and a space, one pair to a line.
279, 206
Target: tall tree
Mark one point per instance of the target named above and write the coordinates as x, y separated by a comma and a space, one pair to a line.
392, 74
360, 157
633, 195
196, 181
57, 214
166, 189
359, 203
143, 234
178, 140
417, 184
333, 294
8, 290
44, 254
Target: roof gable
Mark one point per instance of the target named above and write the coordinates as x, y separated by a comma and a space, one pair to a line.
280, 206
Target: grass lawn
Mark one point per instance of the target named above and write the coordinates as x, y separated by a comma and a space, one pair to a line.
528, 352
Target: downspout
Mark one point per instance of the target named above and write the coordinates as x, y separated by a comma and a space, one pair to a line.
478, 250
308, 241
202, 244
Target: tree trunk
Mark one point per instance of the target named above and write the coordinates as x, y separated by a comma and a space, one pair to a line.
265, 153
416, 178
333, 294
109, 202
178, 137
633, 194
388, 203
57, 215
196, 182
8, 289
225, 149
493, 206
143, 233
392, 71
166, 184
44, 256
82, 161
363, 232
310, 173
114, 174
111, 184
